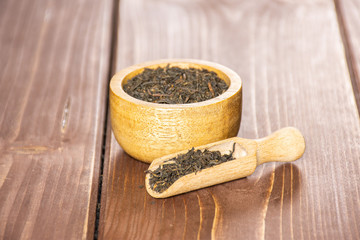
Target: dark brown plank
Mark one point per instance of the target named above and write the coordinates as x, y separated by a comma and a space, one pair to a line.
293, 65
349, 21
53, 78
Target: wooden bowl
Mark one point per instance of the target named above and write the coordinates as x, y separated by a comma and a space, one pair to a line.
150, 130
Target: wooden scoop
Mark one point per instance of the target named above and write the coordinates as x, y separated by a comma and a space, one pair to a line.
284, 145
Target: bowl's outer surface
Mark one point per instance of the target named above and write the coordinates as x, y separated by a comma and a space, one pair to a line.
147, 130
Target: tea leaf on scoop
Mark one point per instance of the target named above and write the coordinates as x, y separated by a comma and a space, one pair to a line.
191, 162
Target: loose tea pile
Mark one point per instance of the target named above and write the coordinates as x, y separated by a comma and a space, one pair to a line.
174, 85
192, 161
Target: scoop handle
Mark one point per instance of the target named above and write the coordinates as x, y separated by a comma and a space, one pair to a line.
284, 145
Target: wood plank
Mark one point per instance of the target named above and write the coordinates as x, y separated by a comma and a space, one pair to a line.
349, 21
292, 62
54, 70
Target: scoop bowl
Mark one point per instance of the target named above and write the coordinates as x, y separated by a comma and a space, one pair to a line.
284, 145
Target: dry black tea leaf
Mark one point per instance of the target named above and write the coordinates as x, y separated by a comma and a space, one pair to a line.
191, 162
174, 85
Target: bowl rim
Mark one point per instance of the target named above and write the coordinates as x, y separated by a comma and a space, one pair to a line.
117, 79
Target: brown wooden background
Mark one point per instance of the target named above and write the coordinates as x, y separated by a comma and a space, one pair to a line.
59, 162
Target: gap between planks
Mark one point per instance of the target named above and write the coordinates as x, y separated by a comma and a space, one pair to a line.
349, 52
112, 61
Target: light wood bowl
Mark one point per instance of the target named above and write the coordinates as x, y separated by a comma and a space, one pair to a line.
147, 131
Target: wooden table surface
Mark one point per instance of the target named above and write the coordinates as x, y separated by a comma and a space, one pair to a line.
64, 176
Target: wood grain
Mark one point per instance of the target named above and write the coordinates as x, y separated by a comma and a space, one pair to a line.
293, 65
53, 80
349, 23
